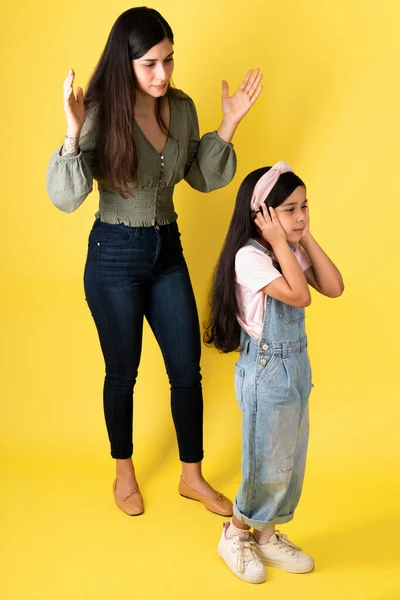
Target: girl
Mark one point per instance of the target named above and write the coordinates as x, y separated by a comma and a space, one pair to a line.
259, 294
138, 137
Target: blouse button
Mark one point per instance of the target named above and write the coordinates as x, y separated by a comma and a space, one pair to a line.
263, 361
162, 164
265, 347
162, 158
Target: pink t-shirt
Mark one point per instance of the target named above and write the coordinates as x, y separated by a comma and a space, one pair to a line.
254, 270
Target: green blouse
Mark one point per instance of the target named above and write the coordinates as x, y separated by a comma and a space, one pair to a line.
206, 164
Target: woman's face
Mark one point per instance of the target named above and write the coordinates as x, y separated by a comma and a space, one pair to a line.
153, 71
293, 214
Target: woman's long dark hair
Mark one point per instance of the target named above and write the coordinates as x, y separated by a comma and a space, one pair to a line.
112, 88
223, 329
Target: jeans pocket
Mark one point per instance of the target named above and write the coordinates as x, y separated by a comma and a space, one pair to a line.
110, 239
239, 381
107, 234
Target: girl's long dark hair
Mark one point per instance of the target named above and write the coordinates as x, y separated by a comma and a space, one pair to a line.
112, 89
223, 329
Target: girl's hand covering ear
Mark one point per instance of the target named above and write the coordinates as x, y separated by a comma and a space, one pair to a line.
269, 226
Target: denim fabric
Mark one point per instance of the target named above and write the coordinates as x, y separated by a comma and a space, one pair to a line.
273, 384
136, 272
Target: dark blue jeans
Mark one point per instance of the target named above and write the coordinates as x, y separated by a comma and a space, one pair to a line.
136, 272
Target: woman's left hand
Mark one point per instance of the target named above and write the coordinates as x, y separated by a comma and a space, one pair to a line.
237, 106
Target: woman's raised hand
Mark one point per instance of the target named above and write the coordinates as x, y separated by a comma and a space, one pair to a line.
237, 106
269, 226
73, 106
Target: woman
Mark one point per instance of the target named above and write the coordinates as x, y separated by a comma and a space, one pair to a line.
138, 137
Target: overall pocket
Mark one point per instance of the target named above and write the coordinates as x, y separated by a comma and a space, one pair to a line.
264, 369
290, 314
239, 381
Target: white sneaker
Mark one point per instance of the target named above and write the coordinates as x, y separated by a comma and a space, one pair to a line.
241, 557
282, 553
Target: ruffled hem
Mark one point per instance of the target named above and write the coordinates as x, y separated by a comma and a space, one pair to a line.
118, 220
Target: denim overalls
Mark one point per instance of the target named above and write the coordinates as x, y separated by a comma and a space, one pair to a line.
273, 384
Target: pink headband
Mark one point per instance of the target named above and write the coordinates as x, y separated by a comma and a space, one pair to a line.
265, 184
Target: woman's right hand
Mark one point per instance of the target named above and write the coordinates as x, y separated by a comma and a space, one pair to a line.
73, 106
269, 226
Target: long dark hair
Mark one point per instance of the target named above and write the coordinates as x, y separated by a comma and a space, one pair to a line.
223, 329
112, 88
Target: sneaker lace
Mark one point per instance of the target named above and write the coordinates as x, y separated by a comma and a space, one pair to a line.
284, 543
246, 552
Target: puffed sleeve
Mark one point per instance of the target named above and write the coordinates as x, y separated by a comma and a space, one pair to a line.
211, 162
70, 179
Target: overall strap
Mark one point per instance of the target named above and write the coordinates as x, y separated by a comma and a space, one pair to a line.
251, 242
269, 300
282, 324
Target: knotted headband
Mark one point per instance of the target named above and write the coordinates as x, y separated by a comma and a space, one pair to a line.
265, 184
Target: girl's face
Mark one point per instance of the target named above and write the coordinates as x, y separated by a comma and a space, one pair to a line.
153, 71
293, 214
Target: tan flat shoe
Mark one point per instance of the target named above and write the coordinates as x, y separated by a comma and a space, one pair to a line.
132, 505
218, 504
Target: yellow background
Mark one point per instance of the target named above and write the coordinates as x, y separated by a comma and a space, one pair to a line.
330, 107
